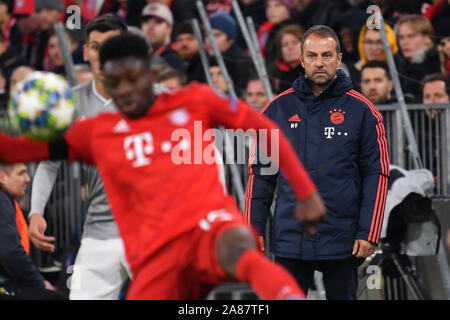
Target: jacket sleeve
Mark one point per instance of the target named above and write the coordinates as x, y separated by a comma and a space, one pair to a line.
13, 258
374, 168
259, 193
260, 189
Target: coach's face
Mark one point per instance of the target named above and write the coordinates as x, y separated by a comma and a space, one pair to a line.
129, 82
320, 60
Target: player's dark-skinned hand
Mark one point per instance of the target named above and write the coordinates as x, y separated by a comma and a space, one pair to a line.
310, 212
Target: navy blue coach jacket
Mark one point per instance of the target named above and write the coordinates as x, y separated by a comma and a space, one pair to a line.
340, 138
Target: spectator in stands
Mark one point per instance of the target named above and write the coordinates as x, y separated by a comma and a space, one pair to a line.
18, 75
182, 10
157, 23
370, 48
48, 13
28, 25
255, 95
278, 14
217, 77
56, 61
18, 273
435, 90
442, 39
171, 78
239, 64
187, 47
287, 67
10, 40
156, 60
418, 55
83, 73
376, 83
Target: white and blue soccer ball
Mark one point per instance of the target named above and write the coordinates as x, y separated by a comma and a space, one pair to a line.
42, 106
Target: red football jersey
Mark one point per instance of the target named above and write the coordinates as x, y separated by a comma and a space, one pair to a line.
153, 197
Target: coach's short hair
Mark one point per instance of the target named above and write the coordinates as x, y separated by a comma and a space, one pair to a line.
323, 31
122, 46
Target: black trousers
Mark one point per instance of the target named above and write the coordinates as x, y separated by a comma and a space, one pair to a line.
340, 277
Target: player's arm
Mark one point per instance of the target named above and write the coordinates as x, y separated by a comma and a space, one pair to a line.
43, 182
74, 145
236, 114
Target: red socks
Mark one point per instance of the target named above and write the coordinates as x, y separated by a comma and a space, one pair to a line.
270, 281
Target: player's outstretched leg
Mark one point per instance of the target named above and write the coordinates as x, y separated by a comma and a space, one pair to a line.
238, 256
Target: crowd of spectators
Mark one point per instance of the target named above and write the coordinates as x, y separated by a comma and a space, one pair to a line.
418, 32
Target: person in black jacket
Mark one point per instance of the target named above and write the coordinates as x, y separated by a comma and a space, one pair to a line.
157, 24
419, 57
187, 48
238, 62
10, 40
287, 67
18, 273
339, 137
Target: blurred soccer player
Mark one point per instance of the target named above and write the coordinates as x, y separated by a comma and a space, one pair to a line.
182, 234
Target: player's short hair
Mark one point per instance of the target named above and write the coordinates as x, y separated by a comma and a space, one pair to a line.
105, 23
122, 46
377, 64
323, 31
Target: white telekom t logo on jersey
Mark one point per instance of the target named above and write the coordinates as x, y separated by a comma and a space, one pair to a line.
138, 147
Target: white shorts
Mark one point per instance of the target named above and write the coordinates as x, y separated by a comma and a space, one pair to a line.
100, 270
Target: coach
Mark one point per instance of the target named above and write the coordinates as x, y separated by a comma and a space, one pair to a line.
339, 136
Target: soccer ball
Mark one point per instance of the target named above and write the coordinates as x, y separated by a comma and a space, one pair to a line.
42, 106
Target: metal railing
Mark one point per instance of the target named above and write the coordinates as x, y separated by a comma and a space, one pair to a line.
432, 136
